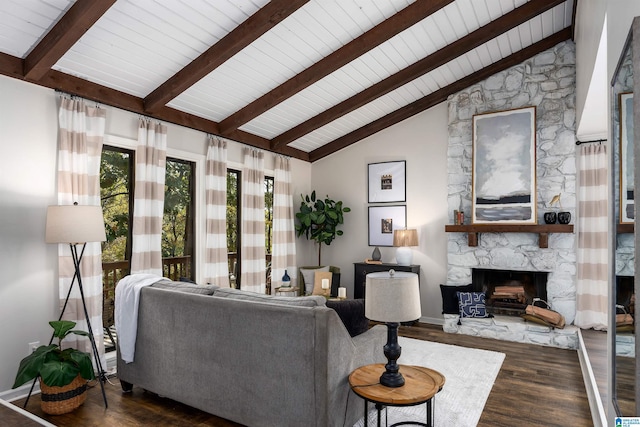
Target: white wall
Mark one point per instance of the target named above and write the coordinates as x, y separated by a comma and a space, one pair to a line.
28, 132
422, 141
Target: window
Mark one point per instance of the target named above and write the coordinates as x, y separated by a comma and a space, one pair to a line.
233, 223
178, 220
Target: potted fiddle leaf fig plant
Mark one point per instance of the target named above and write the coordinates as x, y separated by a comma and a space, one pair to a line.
60, 371
319, 220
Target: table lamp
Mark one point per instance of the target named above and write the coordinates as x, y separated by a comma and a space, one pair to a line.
392, 297
403, 239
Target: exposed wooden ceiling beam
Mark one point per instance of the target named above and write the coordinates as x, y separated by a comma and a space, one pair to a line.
439, 95
12, 66
78, 19
448, 53
402, 20
243, 35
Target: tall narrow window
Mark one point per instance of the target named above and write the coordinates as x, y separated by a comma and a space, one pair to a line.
268, 226
178, 220
116, 194
233, 225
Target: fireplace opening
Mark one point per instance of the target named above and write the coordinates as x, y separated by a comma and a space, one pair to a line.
508, 292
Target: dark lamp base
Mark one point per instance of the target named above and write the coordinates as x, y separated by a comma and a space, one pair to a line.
392, 379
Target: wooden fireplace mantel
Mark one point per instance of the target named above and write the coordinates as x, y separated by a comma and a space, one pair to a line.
542, 230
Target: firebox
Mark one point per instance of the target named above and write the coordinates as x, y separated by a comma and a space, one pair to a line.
508, 292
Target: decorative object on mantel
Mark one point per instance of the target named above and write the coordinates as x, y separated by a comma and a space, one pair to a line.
387, 182
403, 240
564, 217
392, 298
550, 217
319, 220
504, 167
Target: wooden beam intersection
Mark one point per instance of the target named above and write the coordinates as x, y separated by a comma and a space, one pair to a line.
440, 95
448, 53
397, 23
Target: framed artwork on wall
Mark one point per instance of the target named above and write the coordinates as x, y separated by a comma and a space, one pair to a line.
387, 182
627, 215
504, 167
382, 221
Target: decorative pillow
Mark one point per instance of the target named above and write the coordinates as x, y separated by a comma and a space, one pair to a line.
185, 287
472, 304
312, 301
317, 282
450, 297
351, 312
308, 275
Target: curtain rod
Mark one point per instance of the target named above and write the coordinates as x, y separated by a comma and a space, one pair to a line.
586, 142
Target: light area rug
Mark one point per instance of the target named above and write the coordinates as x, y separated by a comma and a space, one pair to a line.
469, 373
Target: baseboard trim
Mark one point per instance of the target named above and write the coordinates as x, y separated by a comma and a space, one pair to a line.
598, 414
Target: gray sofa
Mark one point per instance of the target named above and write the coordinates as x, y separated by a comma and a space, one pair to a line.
254, 359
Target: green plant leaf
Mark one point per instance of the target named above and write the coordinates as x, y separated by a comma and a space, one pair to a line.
58, 374
30, 366
313, 196
84, 364
61, 327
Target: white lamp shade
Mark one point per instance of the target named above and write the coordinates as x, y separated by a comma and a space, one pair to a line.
392, 297
74, 224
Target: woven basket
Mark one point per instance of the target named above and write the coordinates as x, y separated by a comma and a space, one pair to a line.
60, 400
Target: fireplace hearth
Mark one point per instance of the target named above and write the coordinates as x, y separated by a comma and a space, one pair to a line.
508, 292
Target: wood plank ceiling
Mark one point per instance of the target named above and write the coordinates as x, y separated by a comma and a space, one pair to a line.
304, 78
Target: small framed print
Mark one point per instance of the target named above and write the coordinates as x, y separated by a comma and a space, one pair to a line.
383, 220
387, 182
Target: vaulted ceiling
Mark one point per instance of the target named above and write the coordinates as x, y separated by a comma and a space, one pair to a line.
304, 78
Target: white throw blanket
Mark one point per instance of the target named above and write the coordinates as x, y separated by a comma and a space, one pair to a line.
126, 311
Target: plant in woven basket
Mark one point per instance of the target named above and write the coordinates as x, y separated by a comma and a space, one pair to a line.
54, 366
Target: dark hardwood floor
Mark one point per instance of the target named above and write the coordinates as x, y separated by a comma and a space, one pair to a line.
537, 386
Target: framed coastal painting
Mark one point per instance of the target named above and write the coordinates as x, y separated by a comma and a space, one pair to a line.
627, 215
387, 182
504, 167
382, 221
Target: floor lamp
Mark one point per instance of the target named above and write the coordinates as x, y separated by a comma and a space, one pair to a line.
77, 225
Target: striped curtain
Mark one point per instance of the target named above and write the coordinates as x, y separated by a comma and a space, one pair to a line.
284, 236
216, 267
80, 147
592, 284
148, 205
253, 265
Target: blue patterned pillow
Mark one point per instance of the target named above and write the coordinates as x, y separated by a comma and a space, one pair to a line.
472, 304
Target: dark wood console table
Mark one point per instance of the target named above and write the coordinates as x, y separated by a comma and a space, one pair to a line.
361, 269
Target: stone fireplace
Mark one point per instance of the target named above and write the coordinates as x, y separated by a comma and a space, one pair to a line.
508, 292
546, 81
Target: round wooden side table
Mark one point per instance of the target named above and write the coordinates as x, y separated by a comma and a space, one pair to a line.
421, 385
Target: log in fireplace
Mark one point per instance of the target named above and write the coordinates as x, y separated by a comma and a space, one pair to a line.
508, 292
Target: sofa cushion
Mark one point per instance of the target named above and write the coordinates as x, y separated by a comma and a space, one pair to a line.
351, 312
450, 297
185, 287
311, 301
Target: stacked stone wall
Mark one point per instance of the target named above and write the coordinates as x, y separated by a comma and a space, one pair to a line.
546, 81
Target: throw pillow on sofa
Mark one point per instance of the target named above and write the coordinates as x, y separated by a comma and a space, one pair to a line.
351, 312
